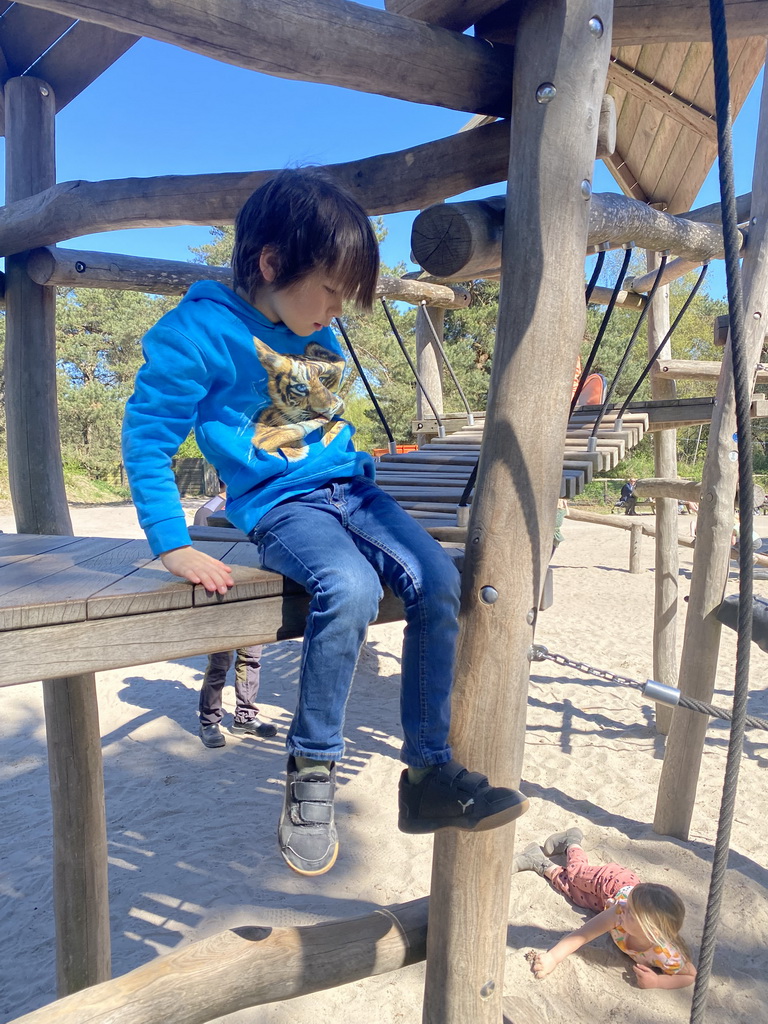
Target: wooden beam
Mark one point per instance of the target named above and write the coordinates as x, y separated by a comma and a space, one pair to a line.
713, 213
672, 487
335, 42
73, 268
639, 22
617, 165
698, 369
455, 14
79, 57
459, 240
519, 479
406, 180
80, 887
672, 271
685, 113
698, 663
602, 296
26, 33
203, 981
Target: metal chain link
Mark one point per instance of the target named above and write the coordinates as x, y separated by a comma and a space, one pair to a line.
540, 653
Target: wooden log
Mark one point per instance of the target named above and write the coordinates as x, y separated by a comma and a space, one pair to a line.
699, 369
672, 271
635, 548
606, 132
455, 14
713, 213
249, 966
74, 268
640, 22
513, 512
602, 296
406, 180
452, 240
672, 488
666, 554
429, 365
334, 42
80, 887
698, 666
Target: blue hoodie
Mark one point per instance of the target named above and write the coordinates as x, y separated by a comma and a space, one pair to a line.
261, 400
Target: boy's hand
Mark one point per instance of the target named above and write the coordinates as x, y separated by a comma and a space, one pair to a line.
544, 964
197, 567
646, 976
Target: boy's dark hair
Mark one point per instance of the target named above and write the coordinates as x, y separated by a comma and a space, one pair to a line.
309, 222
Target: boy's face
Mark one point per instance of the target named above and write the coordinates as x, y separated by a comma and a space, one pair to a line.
304, 307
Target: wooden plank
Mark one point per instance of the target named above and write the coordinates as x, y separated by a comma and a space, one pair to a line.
79, 57
25, 33
54, 587
651, 95
14, 546
334, 42
410, 179
697, 369
150, 587
125, 641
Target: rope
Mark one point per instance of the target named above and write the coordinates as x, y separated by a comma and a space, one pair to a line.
540, 653
368, 388
603, 326
744, 431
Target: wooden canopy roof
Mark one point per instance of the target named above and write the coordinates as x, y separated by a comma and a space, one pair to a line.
660, 74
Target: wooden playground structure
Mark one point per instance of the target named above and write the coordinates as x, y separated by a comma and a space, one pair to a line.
535, 77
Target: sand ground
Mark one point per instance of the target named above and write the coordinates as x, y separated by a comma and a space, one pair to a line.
192, 831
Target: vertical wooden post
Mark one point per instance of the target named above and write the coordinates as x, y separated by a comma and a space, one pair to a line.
667, 558
39, 500
698, 665
561, 60
635, 542
429, 364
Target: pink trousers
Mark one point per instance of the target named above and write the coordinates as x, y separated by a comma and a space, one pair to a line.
589, 886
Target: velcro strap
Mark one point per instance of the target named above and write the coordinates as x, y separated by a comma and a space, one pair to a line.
312, 790
316, 812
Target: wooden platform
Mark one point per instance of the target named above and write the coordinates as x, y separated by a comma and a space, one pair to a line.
85, 604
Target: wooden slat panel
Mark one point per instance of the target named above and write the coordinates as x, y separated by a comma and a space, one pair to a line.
149, 588
53, 587
632, 107
95, 645
84, 53
16, 546
26, 32
251, 581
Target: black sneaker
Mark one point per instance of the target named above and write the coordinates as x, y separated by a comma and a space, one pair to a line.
452, 797
254, 727
307, 833
211, 735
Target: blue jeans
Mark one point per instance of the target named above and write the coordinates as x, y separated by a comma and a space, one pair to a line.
340, 542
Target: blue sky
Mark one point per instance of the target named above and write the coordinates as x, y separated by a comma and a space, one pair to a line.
162, 110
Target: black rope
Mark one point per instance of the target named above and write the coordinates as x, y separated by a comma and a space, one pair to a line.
364, 379
630, 346
744, 431
603, 327
751, 721
414, 371
595, 275
667, 336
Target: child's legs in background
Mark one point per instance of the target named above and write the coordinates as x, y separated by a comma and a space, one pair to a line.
213, 683
586, 885
306, 540
247, 676
425, 578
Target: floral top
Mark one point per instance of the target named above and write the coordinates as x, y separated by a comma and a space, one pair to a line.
667, 958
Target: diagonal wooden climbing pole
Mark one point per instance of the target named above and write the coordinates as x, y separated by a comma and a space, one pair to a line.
561, 59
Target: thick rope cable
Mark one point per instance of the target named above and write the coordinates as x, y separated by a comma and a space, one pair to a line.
744, 431
595, 275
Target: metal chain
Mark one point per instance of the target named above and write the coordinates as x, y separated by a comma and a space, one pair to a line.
540, 653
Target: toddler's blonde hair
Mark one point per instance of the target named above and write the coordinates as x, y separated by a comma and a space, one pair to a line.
660, 913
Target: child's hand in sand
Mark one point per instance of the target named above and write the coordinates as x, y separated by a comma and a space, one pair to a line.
197, 567
544, 964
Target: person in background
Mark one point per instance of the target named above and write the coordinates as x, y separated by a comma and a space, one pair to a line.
247, 673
